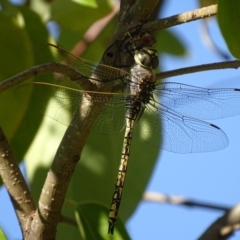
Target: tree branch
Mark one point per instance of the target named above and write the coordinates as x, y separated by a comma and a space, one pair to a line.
63, 166
67, 220
224, 226
142, 11
162, 198
179, 19
47, 68
15, 185
199, 68
132, 16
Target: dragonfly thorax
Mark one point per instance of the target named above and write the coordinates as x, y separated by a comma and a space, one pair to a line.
140, 89
146, 57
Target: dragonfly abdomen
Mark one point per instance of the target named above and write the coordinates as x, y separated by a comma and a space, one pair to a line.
117, 195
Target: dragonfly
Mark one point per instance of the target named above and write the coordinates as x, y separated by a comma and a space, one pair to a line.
178, 108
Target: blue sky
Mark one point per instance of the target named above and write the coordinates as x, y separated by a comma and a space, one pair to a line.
209, 177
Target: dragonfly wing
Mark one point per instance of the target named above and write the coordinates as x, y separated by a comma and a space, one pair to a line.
54, 102
112, 117
60, 103
202, 103
102, 73
179, 133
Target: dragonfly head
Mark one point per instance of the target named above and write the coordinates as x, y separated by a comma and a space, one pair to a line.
146, 57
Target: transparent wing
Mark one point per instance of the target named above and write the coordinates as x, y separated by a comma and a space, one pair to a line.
63, 102
112, 117
179, 133
202, 103
102, 73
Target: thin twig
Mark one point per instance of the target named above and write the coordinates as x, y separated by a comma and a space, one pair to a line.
179, 19
162, 198
94, 30
70, 221
199, 68
46, 68
221, 229
15, 184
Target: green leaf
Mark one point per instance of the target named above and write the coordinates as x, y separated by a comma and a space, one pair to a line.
88, 3
42, 8
95, 50
228, 20
92, 220
2, 235
71, 15
36, 30
13, 60
19, 28
168, 42
20, 140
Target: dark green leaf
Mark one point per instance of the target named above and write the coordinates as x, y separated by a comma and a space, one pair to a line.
92, 219
19, 128
168, 42
95, 50
71, 15
228, 20
13, 60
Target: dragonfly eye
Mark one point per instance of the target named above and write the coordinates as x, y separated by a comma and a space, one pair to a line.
146, 57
